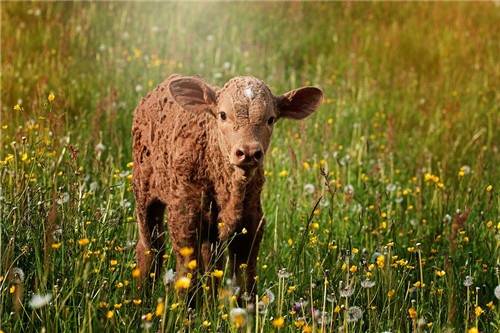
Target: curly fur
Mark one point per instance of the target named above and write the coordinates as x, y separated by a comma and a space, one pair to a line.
181, 169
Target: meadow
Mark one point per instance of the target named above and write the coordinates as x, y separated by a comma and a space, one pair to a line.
382, 208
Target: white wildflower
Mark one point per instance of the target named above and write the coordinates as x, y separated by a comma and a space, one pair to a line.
354, 314
309, 188
169, 277
468, 281
38, 301
17, 274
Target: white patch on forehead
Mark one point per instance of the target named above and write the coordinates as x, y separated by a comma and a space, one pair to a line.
248, 92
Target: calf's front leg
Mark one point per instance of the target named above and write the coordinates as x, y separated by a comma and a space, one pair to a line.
244, 249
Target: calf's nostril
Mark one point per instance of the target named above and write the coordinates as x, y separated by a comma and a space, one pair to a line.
240, 154
258, 155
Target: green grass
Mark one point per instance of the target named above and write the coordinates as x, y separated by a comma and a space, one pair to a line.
408, 138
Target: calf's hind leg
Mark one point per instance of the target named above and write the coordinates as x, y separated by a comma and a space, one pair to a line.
151, 245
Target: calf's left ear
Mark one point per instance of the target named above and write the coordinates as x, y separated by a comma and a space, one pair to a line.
299, 103
192, 94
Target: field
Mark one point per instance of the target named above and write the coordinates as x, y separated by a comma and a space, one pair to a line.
382, 208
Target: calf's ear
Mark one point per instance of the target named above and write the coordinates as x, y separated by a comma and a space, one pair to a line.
299, 103
192, 94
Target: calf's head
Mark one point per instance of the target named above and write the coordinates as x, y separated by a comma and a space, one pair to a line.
245, 111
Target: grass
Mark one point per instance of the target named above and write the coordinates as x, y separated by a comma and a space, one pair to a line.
401, 160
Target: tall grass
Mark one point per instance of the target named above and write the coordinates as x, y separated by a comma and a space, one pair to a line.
382, 208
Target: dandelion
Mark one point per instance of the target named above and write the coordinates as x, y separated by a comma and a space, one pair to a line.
440, 273
380, 261
17, 274
391, 293
478, 311
37, 301
468, 281
136, 273
473, 330
113, 262
283, 173
83, 241
283, 274
51, 97
412, 313
110, 314
489, 188
238, 317
390, 187
217, 273
354, 314
137, 301
349, 189
367, 284
182, 283
148, 316
206, 323
160, 307
17, 107
168, 277
99, 148
55, 246
345, 291
309, 188
186, 251
279, 322
191, 264
497, 291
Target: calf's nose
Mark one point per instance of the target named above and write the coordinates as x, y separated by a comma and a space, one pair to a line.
251, 152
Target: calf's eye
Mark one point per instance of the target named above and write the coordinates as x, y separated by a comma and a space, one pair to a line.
270, 121
222, 115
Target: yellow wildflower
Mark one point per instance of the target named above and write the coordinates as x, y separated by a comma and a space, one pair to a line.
381, 261
136, 273
55, 246
489, 188
51, 97
473, 330
186, 251
17, 107
283, 173
412, 313
440, 273
182, 283
217, 273
137, 301
279, 322
478, 311
83, 241
160, 307
113, 262
191, 264
110, 314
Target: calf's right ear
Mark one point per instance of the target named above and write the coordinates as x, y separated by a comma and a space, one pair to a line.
192, 94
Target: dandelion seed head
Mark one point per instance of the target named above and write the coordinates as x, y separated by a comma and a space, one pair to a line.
497, 291
37, 301
354, 314
17, 274
469, 281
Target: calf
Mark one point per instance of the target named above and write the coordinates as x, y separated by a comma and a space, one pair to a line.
198, 155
